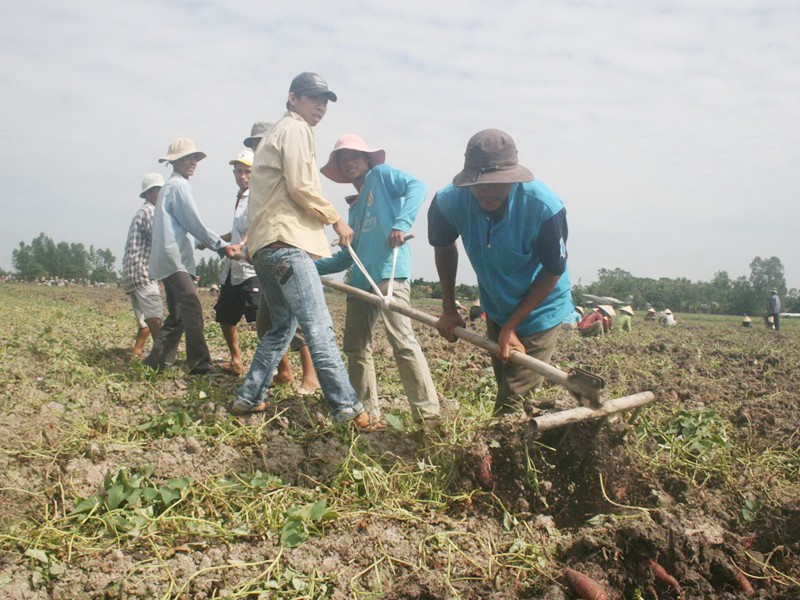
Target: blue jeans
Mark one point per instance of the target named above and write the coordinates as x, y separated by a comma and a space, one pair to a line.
291, 286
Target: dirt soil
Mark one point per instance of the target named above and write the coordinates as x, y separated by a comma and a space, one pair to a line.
607, 498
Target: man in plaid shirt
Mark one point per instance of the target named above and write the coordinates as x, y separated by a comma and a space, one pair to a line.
145, 297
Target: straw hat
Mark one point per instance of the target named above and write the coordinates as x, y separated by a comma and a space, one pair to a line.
608, 310
257, 131
626, 309
580, 310
651, 310
179, 149
350, 141
150, 181
245, 157
667, 312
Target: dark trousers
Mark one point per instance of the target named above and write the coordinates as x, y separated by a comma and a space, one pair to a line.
185, 315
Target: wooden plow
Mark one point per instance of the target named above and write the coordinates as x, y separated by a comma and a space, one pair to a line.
587, 387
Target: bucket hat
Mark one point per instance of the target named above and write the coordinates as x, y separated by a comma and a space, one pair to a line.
626, 309
245, 157
350, 141
150, 181
580, 310
311, 84
667, 312
608, 310
491, 157
180, 148
257, 131
651, 310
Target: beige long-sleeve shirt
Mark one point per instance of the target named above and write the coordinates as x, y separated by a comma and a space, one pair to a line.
286, 203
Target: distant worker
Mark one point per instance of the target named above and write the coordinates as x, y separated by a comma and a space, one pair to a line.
775, 309
651, 314
148, 309
172, 262
514, 231
475, 311
746, 321
598, 322
283, 374
667, 318
625, 320
381, 214
239, 287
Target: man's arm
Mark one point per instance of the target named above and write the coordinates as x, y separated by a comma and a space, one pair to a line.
551, 248
185, 211
447, 267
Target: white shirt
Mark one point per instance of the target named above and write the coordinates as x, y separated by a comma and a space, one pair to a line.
240, 270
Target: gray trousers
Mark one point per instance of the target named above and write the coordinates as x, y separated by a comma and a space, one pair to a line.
357, 344
513, 382
185, 316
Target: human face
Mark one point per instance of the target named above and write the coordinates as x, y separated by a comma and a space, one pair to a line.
241, 173
353, 164
491, 196
311, 108
151, 195
185, 166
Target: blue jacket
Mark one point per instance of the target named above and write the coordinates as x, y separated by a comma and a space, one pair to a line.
175, 219
389, 199
503, 253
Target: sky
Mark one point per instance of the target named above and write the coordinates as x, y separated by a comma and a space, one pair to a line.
670, 129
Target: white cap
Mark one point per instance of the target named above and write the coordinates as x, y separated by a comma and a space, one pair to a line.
151, 180
245, 157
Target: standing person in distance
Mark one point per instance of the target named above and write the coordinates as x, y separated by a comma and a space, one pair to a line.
172, 262
145, 295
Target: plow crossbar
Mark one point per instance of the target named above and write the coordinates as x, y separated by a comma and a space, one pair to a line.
585, 413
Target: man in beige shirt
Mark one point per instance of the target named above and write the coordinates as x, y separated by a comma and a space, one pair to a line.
288, 215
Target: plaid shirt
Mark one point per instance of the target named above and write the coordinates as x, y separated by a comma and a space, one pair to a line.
136, 261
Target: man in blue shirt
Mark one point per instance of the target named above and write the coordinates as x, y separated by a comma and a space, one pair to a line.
172, 262
514, 231
381, 214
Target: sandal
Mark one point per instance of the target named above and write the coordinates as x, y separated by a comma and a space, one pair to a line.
366, 423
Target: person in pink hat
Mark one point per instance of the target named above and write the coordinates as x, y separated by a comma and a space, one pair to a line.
380, 214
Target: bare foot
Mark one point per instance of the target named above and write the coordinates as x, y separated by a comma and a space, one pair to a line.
236, 368
282, 379
308, 387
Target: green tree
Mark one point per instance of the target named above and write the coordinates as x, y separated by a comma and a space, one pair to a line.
766, 274
209, 271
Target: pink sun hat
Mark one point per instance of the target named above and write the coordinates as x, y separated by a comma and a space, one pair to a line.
351, 141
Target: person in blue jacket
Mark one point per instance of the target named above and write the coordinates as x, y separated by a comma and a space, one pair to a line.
380, 215
514, 231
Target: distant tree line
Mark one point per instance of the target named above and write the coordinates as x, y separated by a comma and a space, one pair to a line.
44, 258
722, 295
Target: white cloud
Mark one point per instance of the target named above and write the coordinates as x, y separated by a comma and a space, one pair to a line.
670, 129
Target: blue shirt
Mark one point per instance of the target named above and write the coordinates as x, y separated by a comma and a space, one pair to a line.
508, 250
389, 199
175, 218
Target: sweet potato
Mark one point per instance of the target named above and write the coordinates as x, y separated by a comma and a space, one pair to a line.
662, 576
745, 584
584, 586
